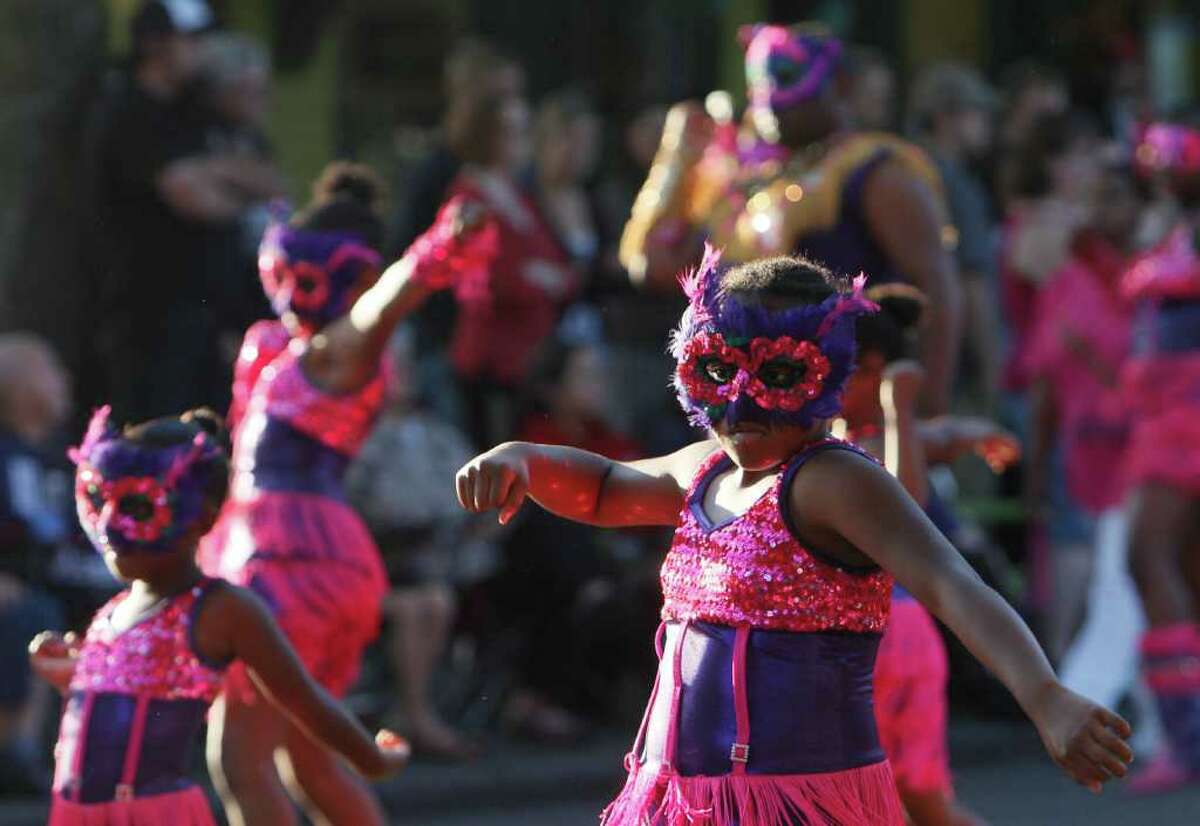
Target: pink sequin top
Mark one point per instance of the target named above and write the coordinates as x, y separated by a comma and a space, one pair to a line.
268, 379
752, 570
1170, 270
154, 658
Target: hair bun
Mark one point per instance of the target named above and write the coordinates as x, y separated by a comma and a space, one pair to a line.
905, 304
351, 181
210, 422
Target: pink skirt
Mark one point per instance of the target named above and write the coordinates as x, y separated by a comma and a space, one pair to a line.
1164, 445
855, 797
315, 564
188, 807
910, 698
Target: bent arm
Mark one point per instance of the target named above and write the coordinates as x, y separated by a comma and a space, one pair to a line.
197, 189
254, 638
901, 539
905, 221
345, 356
579, 485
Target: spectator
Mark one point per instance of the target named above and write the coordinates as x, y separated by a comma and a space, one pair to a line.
500, 324
432, 547
161, 198
1052, 199
567, 146
475, 69
1031, 90
236, 73
950, 115
34, 400
872, 96
1079, 341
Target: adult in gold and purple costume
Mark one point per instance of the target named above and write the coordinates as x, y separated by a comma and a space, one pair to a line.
797, 179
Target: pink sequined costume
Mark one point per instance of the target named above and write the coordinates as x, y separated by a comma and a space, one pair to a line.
1162, 379
135, 706
286, 530
761, 713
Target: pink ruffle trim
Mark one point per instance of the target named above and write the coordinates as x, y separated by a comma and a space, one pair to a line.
856, 797
188, 807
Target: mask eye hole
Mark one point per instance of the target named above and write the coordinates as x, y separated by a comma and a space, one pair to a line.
783, 70
136, 507
95, 497
780, 375
719, 372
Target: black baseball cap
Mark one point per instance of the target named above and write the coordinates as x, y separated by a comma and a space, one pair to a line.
162, 17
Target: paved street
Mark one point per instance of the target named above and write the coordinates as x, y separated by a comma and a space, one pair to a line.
1001, 773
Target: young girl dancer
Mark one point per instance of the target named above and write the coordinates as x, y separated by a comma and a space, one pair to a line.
1162, 383
307, 389
140, 682
777, 585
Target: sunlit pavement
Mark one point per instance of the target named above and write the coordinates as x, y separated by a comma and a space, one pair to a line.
1000, 772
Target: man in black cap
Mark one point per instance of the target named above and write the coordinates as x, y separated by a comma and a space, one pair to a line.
161, 198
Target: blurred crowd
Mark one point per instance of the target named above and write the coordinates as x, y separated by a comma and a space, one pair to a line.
524, 627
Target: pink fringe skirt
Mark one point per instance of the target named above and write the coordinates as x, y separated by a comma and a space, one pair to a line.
854, 797
1164, 444
315, 564
910, 698
188, 807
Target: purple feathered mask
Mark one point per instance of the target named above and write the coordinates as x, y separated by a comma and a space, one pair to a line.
742, 362
313, 275
134, 498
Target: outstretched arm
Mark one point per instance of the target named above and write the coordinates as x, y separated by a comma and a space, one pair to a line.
835, 496
235, 624
345, 355
904, 220
579, 485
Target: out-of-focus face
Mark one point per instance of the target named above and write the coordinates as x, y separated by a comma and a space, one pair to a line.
860, 400
975, 131
182, 54
514, 143
1076, 172
755, 447
1118, 208
508, 81
248, 100
873, 99
644, 134
584, 389
569, 155
802, 124
41, 399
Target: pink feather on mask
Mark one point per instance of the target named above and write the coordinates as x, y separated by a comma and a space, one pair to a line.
697, 284
854, 302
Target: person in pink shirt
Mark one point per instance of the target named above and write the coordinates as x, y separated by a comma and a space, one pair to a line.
1080, 338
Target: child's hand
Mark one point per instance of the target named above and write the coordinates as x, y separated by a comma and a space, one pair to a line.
988, 440
1087, 740
53, 657
496, 480
394, 754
